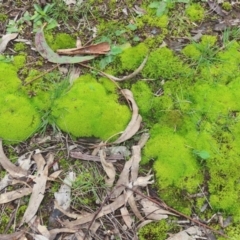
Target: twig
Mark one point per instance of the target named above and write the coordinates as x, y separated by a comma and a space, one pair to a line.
160, 203
41, 75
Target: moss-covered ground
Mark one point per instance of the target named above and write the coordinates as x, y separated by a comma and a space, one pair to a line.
187, 93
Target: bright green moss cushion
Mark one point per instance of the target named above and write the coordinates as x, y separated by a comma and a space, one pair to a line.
18, 118
88, 110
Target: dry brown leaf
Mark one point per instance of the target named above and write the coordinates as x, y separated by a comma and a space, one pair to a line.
10, 196
70, 215
135, 122
104, 211
153, 211
5, 40
63, 196
143, 181
13, 170
109, 170
38, 188
53, 232
131, 201
54, 175
143, 139
126, 217
135, 163
6, 180
12, 236
181, 236
38, 237
130, 166
100, 48
216, 8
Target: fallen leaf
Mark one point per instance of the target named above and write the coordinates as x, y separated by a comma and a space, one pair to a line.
38, 237
216, 8
153, 211
124, 177
100, 48
10, 196
131, 201
12, 236
5, 40
126, 217
109, 170
123, 150
54, 175
68, 214
54, 232
135, 122
63, 196
104, 211
143, 139
143, 181
135, 163
47, 53
13, 170
38, 188
191, 233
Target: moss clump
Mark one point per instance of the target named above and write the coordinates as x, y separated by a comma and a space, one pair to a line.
163, 64
18, 47
87, 110
195, 12
18, 118
154, 231
203, 52
9, 81
227, 6
151, 107
60, 40
19, 61
132, 57
169, 151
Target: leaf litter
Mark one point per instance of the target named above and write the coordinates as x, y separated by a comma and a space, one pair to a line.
121, 198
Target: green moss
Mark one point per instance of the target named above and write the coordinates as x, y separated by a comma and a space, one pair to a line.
151, 107
163, 64
86, 110
3, 17
18, 47
18, 118
233, 232
203, 52
4, 220
227, 6
60, 41
19, 61
154, 231
132, 57
195, 12
9, 81
169, 151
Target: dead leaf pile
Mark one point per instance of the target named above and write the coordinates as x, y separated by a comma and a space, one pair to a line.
122, 196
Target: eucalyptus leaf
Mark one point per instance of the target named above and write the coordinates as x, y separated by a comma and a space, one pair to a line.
46, 52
